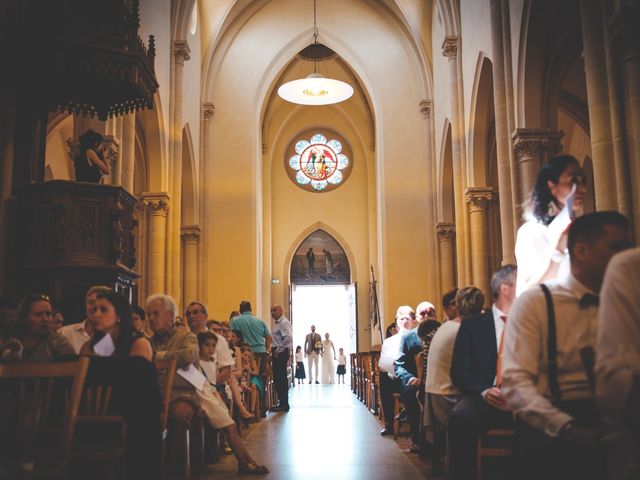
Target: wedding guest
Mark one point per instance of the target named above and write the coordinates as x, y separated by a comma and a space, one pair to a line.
389, 383
32, 340
215, 408
79, 333
474, 364
112, 317
545, 380
541, 243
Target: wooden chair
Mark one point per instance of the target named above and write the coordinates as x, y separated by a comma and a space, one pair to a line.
352, 358
375, 384
397, 423
497, 442
38, 413
169, 368
366, 379
101, 436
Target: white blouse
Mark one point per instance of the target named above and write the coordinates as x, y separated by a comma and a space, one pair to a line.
536, 248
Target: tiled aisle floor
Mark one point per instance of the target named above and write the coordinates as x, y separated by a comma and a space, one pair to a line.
328, 434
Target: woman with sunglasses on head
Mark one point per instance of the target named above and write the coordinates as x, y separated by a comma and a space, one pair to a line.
542, 240
33, 340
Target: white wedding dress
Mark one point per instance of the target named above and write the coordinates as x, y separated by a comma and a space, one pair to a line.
328, 374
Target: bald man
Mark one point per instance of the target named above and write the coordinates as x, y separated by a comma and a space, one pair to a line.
280, 348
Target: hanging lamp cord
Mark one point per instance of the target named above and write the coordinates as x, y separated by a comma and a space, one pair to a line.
315, 38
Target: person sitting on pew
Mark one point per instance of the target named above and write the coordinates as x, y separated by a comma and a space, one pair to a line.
406, 370
442, 394
32, 340
135, 391
617, 362
545, 380
389, 384
169, 341
112, 317
473, 371
215, 408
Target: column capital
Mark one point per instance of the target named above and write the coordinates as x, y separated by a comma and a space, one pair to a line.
450, 47
190, 234
425, 109
446, 231
478, 197
625, 34
208, 111
535, 142
181, 52
156, 203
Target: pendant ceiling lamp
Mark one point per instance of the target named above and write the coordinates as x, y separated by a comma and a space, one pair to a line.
315, 89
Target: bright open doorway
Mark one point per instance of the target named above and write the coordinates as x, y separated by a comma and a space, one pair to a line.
332, 309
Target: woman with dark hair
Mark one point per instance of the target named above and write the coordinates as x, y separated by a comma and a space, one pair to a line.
33, 340
112, 317
542, 239
89, 163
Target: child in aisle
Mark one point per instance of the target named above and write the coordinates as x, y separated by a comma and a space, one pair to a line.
342, 365
300, 373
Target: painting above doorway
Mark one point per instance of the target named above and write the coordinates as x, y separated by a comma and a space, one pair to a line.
320, 260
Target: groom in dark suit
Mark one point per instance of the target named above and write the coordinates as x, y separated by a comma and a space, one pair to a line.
473, 371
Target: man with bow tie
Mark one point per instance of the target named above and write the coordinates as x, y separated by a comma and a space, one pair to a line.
545, 379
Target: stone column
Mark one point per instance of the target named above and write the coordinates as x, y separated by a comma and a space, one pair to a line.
446, 241
533, 147
128, 151
190, 243
157, 205
477, 199
181, 53
598, 99
208, 111
425, 110
503, 145
450, 50
625, 37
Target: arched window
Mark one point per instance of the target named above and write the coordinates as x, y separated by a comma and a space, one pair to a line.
319, 164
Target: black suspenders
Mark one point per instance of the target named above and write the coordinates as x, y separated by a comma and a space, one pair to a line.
552, 348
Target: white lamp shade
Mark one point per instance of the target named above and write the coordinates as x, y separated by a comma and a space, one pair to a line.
315, 90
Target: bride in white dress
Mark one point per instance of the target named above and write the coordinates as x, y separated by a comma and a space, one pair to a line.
328, 374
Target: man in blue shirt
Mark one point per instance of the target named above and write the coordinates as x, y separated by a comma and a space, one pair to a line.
255, 333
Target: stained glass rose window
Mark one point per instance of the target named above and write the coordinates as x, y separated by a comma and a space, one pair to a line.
318, 163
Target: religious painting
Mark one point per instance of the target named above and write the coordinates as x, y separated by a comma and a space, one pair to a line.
320, 260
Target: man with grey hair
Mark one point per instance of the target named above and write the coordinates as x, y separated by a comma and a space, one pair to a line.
79, 333
389, 352
169, 342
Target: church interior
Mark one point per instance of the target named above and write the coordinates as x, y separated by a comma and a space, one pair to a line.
456, 106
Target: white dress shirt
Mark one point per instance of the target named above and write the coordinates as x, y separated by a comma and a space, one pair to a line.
223, 354
439, 360
524, 374
281, 335
536, 249
389, 352
498, 322
618, 344
76, 334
